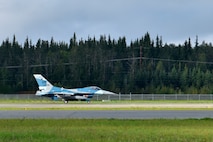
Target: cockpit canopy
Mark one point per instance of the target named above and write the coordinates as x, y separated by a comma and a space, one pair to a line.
95, 88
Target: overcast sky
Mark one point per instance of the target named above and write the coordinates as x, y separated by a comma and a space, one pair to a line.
174, 20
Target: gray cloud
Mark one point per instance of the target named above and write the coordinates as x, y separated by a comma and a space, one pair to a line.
174, 20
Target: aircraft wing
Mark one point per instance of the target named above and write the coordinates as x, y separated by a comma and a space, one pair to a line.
64, 93
66, 96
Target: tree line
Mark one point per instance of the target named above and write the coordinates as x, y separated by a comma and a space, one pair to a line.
145, 66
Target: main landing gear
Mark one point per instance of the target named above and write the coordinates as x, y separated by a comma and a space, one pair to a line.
65, 101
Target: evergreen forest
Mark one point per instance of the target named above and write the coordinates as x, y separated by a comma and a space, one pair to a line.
147, 65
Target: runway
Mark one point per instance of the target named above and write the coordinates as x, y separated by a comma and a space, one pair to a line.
108, 111
105, 114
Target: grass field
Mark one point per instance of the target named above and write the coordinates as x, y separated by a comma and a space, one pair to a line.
106, 130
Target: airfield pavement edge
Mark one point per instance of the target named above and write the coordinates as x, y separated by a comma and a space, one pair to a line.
108, 106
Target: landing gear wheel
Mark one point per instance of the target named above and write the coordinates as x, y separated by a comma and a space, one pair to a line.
66, 102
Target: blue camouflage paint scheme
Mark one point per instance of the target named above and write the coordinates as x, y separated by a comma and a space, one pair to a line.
48, 90
58, 89
41, 82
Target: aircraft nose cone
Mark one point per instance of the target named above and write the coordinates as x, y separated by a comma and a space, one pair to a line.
108, 93
104, 92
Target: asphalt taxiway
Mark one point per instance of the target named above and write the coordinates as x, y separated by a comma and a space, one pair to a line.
24, 111
106, 114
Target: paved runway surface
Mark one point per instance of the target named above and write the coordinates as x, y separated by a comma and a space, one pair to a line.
109, 114
114, 114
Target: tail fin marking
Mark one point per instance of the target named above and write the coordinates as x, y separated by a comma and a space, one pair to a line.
43, 84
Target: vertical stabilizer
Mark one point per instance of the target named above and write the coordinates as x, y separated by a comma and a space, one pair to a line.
43, 84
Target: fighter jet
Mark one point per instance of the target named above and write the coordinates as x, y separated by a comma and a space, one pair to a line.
83, 94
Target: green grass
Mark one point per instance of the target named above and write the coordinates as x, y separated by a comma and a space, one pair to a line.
27, 101
106, 130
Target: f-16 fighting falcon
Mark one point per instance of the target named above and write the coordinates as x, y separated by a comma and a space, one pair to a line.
84, 94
